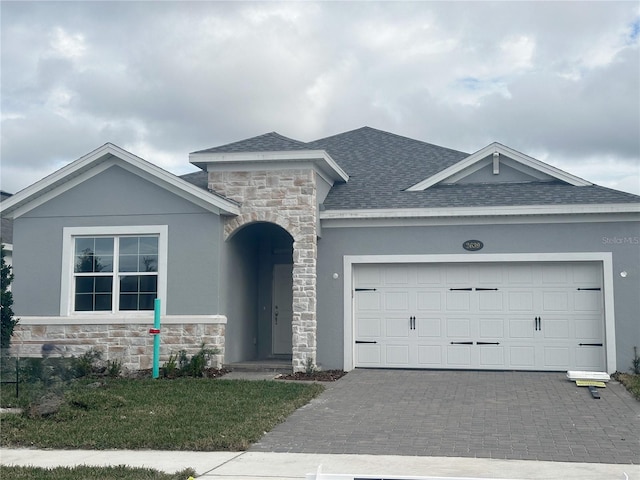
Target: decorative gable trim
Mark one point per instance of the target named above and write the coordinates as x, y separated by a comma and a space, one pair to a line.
98, 161
247, 161
477, 160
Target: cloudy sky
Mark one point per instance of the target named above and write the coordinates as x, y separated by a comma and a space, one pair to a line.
559, 81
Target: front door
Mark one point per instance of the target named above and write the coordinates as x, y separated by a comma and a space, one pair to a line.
282, 311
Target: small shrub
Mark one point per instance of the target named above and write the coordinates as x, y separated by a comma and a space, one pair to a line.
635, 362
7, 322
88, 363
310, 366
200, 361
170, 367
181, 365
114, 368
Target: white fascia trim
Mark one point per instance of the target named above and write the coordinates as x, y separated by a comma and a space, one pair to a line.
321, 158
505, 220
605, 258
98, 161
608, 208
144, 319
68, 233
503, 150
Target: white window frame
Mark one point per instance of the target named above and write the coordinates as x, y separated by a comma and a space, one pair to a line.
67, 280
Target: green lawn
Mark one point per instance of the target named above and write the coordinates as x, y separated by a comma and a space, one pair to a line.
90, 473
179, 414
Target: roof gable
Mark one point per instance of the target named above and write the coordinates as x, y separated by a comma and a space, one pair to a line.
270, 150
268, 142
520, 168
98, 161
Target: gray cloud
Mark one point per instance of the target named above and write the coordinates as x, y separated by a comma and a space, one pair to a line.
556, 80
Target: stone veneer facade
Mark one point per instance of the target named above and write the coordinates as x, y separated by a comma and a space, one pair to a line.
288, 198
129, 343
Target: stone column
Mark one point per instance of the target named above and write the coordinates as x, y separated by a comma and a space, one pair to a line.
288, 199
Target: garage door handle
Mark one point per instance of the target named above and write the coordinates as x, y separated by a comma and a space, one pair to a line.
365, 341
590, 344
461, 343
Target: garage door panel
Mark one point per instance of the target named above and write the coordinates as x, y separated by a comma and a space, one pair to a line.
458, 327
397, 327
588, 328
522, 356
556, 357
369, 327
369, 301
491, 328
395, 275
396, 301
520, 275
521, 328
457, 275
429, 301
553, 274
439, 315
491, 301
589, 358
369, 275
555, 301
489, 275
492, 357
430, 356
459, 356
587, 301
458, 301
555, 328
429, 275
369, 355
397, 355
520, 301
429, 327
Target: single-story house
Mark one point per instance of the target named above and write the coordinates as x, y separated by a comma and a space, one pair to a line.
363, 249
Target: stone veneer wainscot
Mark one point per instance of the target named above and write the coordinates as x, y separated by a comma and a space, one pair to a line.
129, 343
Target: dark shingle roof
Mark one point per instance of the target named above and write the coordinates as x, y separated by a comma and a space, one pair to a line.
199, 179
382, 165
269, 142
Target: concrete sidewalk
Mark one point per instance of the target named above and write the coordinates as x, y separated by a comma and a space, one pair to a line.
263, 465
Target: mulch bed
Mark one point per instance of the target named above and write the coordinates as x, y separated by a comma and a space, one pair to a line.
319, 376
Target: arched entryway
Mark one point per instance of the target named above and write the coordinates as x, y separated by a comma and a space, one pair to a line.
257, 293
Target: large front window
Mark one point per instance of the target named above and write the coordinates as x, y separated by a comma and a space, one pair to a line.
115, 273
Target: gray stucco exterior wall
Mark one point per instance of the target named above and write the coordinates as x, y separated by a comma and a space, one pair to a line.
115, 197
620, 238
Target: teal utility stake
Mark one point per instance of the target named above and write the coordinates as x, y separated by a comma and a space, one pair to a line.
155, 331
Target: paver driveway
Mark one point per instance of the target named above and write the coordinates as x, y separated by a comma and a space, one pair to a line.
511, 415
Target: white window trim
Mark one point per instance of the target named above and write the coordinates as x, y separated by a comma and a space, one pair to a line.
66, 281
604, 258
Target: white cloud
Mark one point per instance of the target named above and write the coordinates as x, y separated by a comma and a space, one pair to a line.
166, 78
67, 44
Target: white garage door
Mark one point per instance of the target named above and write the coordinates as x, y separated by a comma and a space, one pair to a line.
515, 316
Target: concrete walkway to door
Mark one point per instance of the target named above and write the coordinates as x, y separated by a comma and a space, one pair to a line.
506, 415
